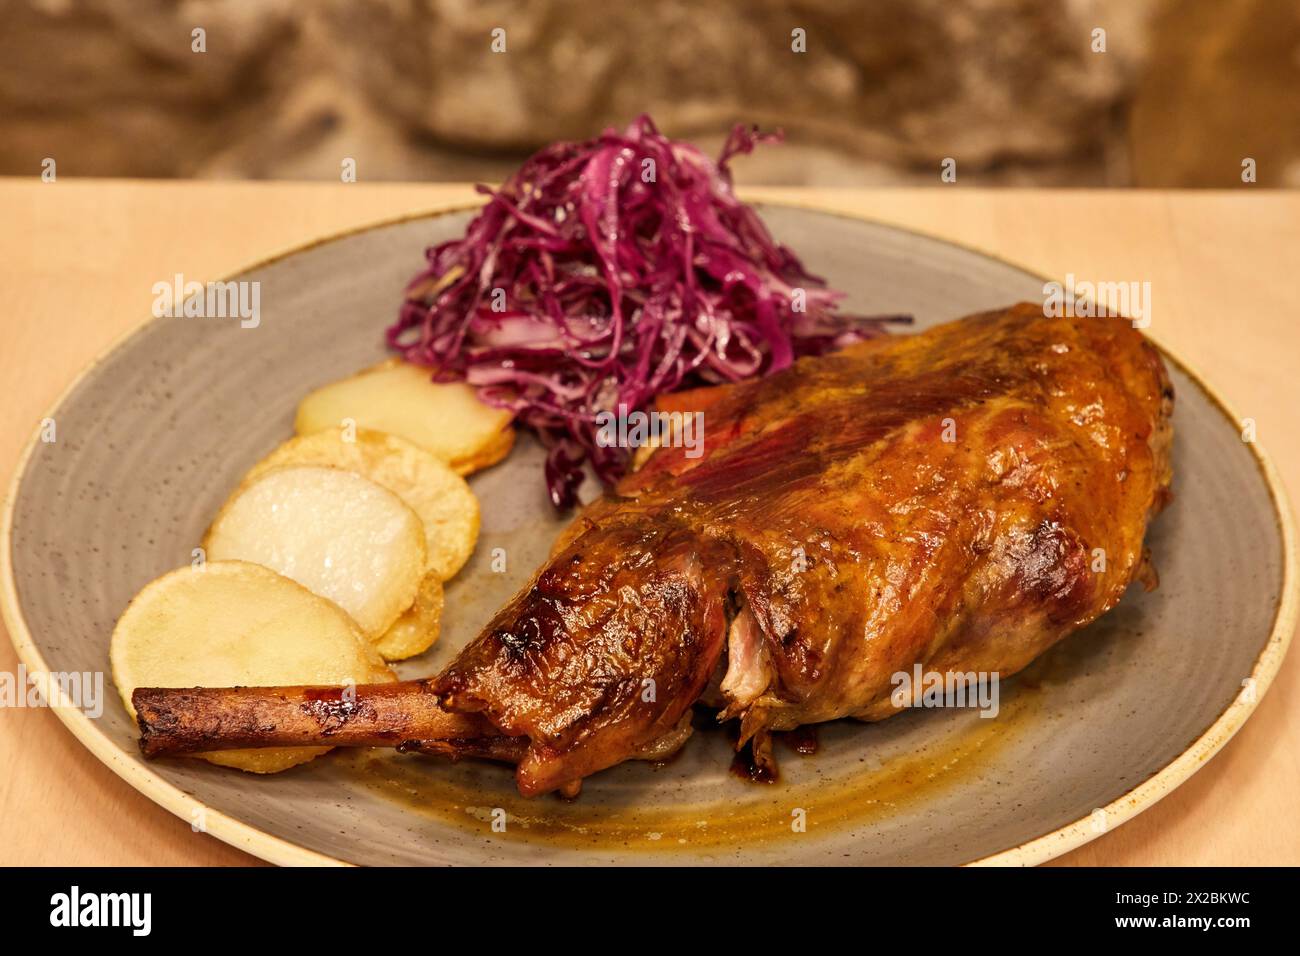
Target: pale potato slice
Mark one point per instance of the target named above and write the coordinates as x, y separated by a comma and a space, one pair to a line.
396, 397
233, 624
334, 532
418, 628
437, 494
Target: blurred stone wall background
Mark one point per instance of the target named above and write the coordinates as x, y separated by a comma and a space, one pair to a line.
411, 89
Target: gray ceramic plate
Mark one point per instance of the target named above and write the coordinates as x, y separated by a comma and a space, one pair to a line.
155, 434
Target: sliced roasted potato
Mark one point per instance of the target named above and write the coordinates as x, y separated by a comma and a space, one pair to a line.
418, 628
232, 623
437, 494
334, 532
491, 453
396, 397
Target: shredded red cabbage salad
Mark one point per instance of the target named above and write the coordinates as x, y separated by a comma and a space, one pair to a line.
604, 273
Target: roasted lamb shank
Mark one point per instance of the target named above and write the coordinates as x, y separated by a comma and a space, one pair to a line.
962, 498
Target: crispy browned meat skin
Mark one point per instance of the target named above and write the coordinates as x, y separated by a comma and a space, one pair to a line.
602, 656
940, 498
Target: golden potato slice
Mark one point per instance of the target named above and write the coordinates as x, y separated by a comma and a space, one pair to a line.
264, 760
488, 456
334, 532
230, 624
418, 628
447, 420
433, 491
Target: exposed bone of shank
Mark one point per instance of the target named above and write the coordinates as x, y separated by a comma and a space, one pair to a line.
198, 719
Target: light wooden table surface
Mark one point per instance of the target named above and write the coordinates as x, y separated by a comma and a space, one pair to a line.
78, 259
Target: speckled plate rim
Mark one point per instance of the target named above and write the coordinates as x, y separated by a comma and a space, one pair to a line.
274, 849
